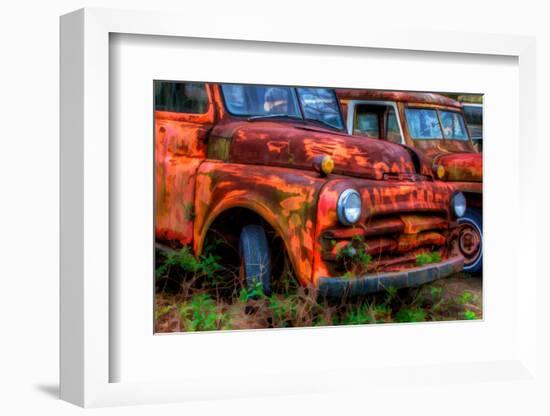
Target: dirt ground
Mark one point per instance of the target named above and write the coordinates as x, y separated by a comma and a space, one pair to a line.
458, 297
454, 287
459, 283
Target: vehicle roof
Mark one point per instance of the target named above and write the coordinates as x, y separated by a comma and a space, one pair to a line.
381, 95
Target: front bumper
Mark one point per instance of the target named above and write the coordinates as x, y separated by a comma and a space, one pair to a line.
371, 283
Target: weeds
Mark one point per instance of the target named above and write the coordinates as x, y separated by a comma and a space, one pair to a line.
354, 256
427, 258
469, 315
358, 314
202, 313
391, 293
410, 315
251, 293
198, 304
465, 298
283, 311
182, 260
435, 292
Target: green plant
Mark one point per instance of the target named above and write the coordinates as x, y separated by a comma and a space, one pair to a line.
163, 310
184, 261
410, 315
211, 244
201, 314
469, 315
427, 258
254, 292
435, 292
284, 312
357, 315
354, 256
209, 266
381, 313
320, 321
348, 275
465, 297
391, 294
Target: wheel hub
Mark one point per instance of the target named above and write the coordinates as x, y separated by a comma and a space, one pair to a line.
469, 242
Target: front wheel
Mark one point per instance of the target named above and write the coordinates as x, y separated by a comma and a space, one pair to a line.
255, 258
470, 240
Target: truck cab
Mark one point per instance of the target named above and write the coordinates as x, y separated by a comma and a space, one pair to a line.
274, 172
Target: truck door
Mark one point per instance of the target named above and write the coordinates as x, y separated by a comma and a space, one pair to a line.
184, 115
377, 121
368, 121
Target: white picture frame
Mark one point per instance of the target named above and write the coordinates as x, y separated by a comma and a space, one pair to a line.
85, 353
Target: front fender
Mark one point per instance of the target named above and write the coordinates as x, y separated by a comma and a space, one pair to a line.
284, 198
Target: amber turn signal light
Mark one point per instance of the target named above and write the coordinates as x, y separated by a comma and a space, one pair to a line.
440, 171
323, 164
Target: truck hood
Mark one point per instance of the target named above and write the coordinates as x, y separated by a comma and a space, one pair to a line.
295, 145
465, 167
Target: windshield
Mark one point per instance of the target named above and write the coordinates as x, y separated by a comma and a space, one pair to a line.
320, 104
426, 124
453, 125
423, 124
263, 101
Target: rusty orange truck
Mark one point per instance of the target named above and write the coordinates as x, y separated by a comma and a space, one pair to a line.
434, 125
272, 170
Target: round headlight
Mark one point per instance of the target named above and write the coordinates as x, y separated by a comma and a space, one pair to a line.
458, 204
349, 207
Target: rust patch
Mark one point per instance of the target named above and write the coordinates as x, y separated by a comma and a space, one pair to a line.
416, 223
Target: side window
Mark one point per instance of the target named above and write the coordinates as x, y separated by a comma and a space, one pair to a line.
367, 124
181, 97
393, 134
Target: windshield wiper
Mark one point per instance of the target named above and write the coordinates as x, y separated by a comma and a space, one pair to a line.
267, 116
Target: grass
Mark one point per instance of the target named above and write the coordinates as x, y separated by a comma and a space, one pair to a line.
201, 295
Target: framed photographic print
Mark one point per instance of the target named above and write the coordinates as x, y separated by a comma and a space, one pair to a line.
272, 211
297, 212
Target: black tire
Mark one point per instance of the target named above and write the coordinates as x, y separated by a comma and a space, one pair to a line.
473, 260
255, 258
